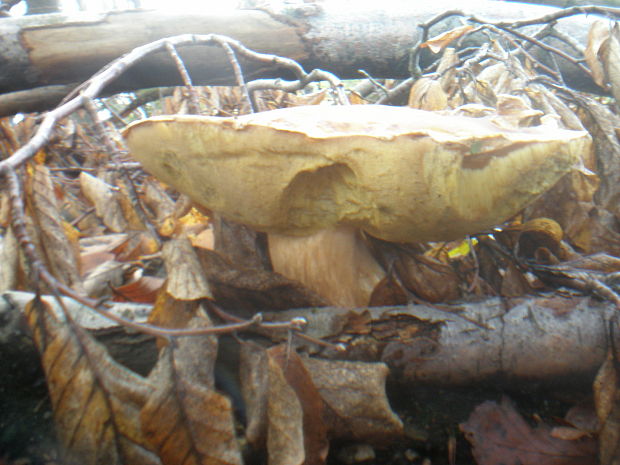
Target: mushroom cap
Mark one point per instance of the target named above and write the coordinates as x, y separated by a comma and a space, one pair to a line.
400, 174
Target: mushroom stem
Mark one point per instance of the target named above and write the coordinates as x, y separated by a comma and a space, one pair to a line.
335, 263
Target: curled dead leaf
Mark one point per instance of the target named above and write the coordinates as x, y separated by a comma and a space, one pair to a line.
438, 43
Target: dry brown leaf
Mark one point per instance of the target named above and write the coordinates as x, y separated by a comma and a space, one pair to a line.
568, 433
612, 61
254, 380
95, 400
98, 283
61, 255
597, 36
239, 244
9, 143
284, 408
185, 419
426, 276
388, 292
129, 207
219, 101
204, 239
447, 70
316, 444
169, 312
514, 283
138, 243
583, 417
157, 200
186, 278
96, 250
428, 94
500, 436
570, 204
185, 220
5, 210
356, 99
355, 395
285, 433
144, 289
250, 290
607, 403
104, 199
515, 112
438, 43
272, 98
602, 126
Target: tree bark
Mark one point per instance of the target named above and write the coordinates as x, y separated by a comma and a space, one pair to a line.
551, 341
57, 49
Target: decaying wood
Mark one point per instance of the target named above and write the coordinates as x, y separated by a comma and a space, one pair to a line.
549, 340
541, 339
58, 49
33, 100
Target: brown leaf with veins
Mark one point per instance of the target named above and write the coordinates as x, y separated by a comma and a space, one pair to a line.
155, 197
185, 419
285, 419
597, 36
500, 436
284, 408
613, 64
186, 280
95, 400
61, 255
129, 207
607, 402
355, 395
298, 377
293, 403
105, 201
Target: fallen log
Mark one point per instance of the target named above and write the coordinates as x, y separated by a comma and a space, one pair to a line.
59, 49
546, 340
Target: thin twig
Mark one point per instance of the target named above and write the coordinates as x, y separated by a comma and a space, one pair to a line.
194, 106
239, 75
608, 12
414, 54
374, 82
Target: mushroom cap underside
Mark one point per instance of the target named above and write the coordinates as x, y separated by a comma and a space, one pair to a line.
400, 174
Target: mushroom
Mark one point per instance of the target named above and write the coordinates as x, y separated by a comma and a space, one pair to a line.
313, 177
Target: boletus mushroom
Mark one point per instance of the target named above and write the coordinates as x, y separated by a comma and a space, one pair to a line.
313, 177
